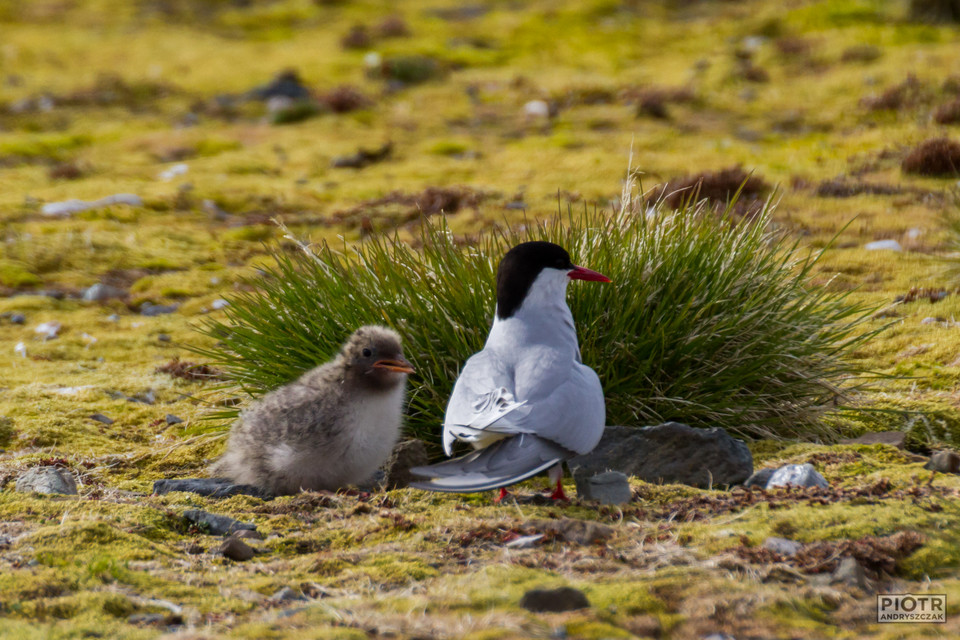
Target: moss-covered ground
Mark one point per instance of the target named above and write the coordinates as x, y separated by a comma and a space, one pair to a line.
99, 97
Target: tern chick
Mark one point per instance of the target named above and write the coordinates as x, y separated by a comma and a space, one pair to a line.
332, 427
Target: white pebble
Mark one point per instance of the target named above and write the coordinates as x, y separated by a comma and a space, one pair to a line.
176, 170
69, 207
372, 60
21, 349
219, 303
880, 245
48, 330
536, 109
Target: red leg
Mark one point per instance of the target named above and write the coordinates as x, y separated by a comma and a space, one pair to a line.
558, 493
503, 494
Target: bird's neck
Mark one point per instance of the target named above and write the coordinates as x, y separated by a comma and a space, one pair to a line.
542, 318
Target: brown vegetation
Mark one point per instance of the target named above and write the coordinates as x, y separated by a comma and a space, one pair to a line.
393, 27
874, 553
345, 98
948, 113
357, 38
906, 94
177, 368
861, 53
717, 187
936, 157
846, 188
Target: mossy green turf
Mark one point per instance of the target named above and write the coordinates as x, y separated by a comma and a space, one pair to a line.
78, 567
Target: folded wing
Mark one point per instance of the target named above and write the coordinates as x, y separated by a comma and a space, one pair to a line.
499, 465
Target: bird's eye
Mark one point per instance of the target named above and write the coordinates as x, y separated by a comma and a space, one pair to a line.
367, 353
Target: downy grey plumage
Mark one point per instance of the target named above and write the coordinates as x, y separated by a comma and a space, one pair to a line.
332, 427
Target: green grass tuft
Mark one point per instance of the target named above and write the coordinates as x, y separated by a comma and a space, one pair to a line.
707, 322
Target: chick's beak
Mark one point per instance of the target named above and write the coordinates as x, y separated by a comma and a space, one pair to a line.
399, 365
582, 273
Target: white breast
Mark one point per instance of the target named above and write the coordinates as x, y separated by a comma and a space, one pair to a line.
375, 425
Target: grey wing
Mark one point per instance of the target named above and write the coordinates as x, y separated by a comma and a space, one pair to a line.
500, 465
565, 405
482, 395
572, 413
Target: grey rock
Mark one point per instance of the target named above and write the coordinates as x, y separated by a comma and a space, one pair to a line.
670, 452
217, 525
797, 475
247, 534
163, 338
406, 455
782, 546
172, 419
113, 317
609, 487
286, 594
943, 462
47, 480
851, 573
236, 549
100, 292
211, 487
99, 417
149, 309
893, 438
287, 84
554, 600
760, 478
17, 318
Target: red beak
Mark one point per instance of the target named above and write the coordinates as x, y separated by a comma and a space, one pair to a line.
582, 273
400, 366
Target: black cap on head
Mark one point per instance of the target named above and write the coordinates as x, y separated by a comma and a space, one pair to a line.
520, 267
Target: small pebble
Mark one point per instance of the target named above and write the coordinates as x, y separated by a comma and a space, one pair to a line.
798, 475
21, 349
178, 169
554, 600
48, 330
782, 546
216, 524
113, 317
163, 338
944, 462
536, 109
172, 419
99, 417
881, 245
17, 318
219, 303
236, 549
148, 309
247, 534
